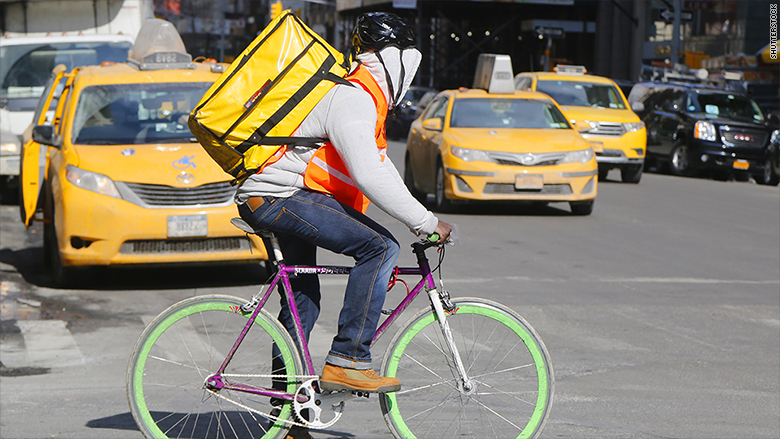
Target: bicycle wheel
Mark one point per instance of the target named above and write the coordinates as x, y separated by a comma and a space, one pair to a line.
503, 356
185, 345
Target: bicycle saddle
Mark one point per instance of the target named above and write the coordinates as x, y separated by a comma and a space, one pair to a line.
243, 225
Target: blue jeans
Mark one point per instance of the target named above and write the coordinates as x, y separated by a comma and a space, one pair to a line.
308, 220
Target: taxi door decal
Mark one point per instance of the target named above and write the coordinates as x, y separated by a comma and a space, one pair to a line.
31, 169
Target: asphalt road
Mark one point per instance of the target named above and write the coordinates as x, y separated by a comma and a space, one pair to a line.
661, 312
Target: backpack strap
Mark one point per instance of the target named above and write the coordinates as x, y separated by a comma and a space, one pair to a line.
259, 136
254, 139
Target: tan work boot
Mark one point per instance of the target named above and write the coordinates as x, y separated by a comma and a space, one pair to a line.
336, 378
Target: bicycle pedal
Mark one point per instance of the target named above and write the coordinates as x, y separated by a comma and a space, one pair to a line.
361, 394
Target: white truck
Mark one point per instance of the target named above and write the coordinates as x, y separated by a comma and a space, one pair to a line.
39, 35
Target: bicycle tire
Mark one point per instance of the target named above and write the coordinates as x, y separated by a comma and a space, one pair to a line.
502, 354
187, 343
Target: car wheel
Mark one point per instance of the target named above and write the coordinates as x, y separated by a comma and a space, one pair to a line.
678, 160
768, 177
63, 276
581, 207
9, 190
409, 181
631, 174
442, 203
603, 174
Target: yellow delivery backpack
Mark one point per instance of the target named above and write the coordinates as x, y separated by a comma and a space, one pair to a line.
251, 111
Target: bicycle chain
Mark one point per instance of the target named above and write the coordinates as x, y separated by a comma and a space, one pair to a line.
253, 375
263, 414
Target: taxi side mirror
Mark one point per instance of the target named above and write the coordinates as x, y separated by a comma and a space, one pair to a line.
434, 124
45, 135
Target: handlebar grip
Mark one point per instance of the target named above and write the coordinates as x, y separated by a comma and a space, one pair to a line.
434, 237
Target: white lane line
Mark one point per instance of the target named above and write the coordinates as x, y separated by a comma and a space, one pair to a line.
49, 343
320, 340
659, 280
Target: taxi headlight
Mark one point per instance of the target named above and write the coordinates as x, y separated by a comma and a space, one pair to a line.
775, 136
9, 148
91, 181
631, 127
470, 155
583, 156
705, 131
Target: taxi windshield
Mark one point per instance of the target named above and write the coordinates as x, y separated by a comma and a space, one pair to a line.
506, 113
26, 68
123, 114
582, 94
726, 105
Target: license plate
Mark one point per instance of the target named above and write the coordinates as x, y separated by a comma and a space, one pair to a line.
187, 225
527, 182
741, 164
597, 146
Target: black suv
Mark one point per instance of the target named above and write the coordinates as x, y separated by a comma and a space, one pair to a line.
693, 127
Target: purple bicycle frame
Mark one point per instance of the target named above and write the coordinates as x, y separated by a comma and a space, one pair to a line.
217, 381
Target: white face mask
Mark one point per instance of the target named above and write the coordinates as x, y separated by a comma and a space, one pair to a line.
394, 70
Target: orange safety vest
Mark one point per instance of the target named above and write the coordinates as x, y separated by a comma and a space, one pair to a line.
327, 173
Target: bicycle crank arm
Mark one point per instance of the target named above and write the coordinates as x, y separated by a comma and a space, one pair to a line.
338, 398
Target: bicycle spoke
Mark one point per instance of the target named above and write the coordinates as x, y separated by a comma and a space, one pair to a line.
507, 394
182, 347
502, 367
498, 415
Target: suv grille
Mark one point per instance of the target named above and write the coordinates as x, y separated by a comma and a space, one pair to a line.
606, 129
159, 195
734, 136
508, 188
207, 245
527, 159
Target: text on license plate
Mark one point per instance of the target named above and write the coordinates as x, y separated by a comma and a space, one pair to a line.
741, 164
526, 181
187, 225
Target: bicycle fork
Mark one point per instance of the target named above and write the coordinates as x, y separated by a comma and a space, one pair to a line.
465, 385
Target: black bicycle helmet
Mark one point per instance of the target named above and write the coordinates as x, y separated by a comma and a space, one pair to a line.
376, 30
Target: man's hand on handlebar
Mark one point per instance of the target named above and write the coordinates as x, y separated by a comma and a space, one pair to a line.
443, 230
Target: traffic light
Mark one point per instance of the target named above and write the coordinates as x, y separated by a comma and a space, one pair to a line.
276, 9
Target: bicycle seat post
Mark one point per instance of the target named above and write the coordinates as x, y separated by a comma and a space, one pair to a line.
277, 249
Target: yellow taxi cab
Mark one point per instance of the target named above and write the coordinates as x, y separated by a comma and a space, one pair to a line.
493, 143
599, 111
122, 180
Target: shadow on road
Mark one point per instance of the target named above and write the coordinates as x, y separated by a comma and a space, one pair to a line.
125, 421
516, 208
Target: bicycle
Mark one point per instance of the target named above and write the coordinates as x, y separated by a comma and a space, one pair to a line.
205, 367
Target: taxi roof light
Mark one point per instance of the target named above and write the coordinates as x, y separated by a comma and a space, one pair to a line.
159, 46
563, 69
494, 73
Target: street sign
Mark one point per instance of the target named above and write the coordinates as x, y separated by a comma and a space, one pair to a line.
552, 32
667, 15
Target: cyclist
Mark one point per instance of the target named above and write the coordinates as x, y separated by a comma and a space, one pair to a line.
317, 198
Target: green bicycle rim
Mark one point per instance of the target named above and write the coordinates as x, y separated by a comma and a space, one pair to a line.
541, 371
138, 390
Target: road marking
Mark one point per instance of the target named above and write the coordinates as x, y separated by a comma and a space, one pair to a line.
320, 340
660, 280
49, 343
